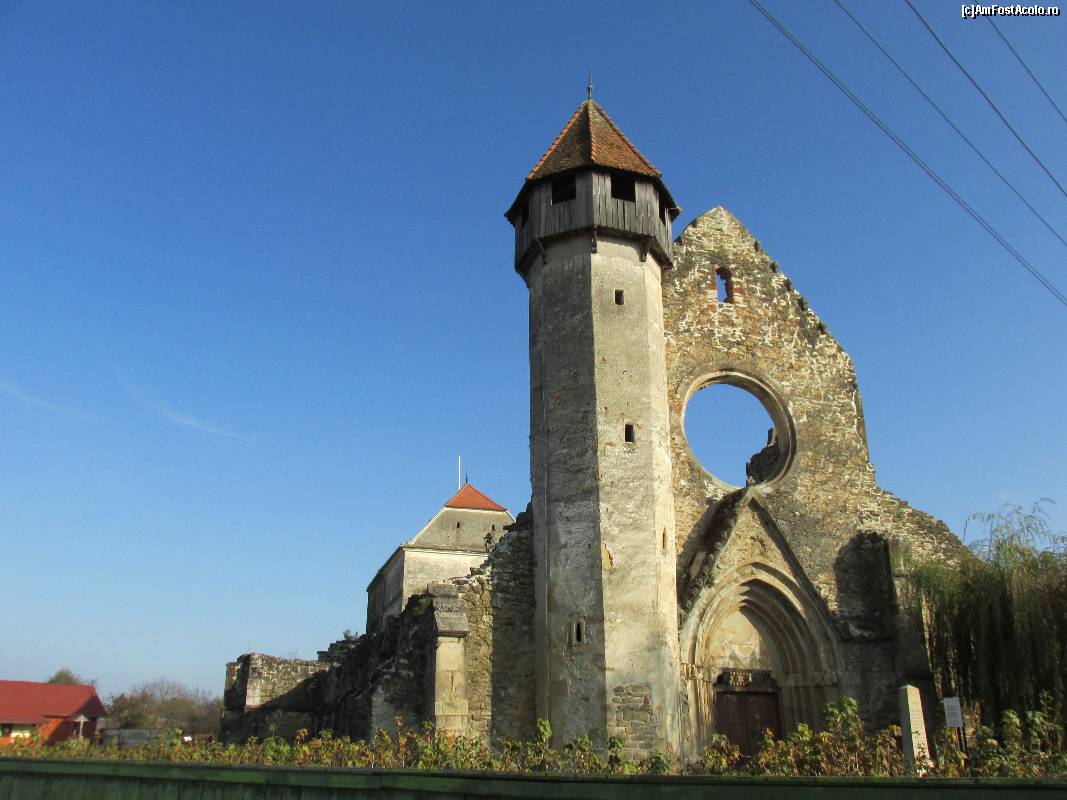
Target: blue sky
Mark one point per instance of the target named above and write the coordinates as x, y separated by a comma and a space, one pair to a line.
256, 287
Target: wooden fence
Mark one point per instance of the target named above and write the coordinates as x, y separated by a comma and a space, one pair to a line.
44, 779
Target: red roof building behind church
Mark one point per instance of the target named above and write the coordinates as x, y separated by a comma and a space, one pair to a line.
53, 711
469, 497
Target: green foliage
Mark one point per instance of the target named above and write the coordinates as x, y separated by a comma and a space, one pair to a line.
618, 763
534, 755
580, 757
164, 704
721, 756
997, 622
1030, 749
1029, 746
655, 763
841, 748
67, 676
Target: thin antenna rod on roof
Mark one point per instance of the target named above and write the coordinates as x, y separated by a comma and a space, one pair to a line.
459, 473
589, 86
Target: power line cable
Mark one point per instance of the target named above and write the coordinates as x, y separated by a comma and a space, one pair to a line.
1033, 77
992, 105
951, 124
914, 156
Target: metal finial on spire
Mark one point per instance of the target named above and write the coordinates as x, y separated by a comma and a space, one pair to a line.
589, 87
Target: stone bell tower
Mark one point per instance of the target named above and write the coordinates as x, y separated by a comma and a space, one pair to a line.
592, 238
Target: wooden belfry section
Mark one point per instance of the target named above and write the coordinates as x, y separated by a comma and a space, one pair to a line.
592, 177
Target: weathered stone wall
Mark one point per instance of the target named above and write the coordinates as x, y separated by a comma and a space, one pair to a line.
461, 654
409, 571
423, 567
383, 677
266, 694
385, 594
462, 529
498, 598
450, 545
600, 474
814, 486
789, 584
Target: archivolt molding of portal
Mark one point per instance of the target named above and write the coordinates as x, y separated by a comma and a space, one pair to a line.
805, 643
785, 604
760, 580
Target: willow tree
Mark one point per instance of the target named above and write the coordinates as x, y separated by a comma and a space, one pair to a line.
996, 623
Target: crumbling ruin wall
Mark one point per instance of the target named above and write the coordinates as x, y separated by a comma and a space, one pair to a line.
460, 655
382, 679
814, 483
498, 598
266, 695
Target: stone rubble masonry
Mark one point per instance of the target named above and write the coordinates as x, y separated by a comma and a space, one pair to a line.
600, 475
460, 655
498, 598
807, 561
839, 529
265, 694
635, 719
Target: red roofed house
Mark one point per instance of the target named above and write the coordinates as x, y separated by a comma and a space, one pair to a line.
55, 711
449, 546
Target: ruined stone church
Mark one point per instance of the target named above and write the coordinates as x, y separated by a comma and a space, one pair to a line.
638, 595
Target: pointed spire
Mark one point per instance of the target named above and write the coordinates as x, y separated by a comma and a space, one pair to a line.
591, 138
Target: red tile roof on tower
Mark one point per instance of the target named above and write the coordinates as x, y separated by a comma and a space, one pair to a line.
469, 497
29, 703
591, 138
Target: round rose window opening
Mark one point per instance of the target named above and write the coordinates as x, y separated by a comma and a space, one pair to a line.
733, 435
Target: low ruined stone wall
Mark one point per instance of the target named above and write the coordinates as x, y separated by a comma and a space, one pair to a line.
381, 679
267, 695
499, 602
460, 655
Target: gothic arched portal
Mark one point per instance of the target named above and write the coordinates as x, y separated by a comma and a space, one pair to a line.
759, 652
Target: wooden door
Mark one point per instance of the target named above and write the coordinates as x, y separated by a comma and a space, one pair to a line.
743, 716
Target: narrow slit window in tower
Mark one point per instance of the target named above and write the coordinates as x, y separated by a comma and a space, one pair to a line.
578, 632
628, 433
563, 189
724, 286
623, 187
619, 297
457, 525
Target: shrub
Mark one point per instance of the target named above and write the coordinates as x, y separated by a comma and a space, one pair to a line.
1028, 746
997, 620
